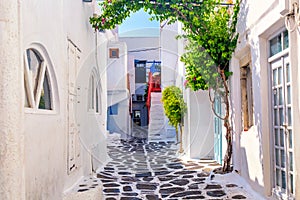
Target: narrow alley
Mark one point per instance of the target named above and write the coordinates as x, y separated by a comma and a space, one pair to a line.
148, 99
151, 170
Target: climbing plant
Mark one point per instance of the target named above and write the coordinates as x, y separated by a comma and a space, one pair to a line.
174, 108
207, 62
210, 28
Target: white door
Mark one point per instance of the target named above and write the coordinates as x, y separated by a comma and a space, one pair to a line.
282, 130
73, 130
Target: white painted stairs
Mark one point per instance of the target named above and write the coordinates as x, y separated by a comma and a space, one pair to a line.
156, 118
159, 130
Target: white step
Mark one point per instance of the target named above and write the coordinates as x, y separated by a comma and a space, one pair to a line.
157, 126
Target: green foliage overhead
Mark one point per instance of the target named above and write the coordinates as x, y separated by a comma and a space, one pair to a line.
211, 50
174, 105
210, 27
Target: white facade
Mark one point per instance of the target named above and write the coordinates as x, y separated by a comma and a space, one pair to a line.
258, 155
198, 135
48, 145
118, 95
198, 139
140, 48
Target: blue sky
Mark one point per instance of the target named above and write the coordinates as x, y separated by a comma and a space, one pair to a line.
139, 25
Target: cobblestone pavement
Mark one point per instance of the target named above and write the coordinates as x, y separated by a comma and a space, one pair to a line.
152, 171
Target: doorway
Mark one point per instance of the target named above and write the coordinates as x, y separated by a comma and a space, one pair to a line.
282, 123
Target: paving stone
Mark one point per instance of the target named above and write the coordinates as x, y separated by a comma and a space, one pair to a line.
216, 193
111, 185
198, 179
145, 186
180, 182
124, 173
171, 190
160, 165
146, 174
166, 185
127, 188
167, 178
186, 193
195, 197
82, 190
104, 176
130, 179
158, 173
188, 176
184, 172
152, 172
125, 183
106, 173
112, 194
148, 179
203, 174
130, 194
112, 190
130, 198
212, 186
110, 198
82, 185
193, 186
171, 166
239, 196
109, 168
152, 197
107, 181
142, 166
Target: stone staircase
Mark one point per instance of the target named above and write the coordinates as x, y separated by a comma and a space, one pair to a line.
156, 118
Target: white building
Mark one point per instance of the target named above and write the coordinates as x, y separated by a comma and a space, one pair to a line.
52, 97
198, 134
265, 99
118, 93
142, 50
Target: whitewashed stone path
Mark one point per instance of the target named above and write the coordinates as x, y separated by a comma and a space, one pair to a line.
151, 171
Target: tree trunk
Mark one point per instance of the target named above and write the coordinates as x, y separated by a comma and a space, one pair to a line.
180, 148
177, 139
228, 155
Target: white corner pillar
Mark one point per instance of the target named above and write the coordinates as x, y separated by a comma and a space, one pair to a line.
12, 183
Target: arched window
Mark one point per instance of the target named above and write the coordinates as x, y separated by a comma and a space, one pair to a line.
38, 90
94, 100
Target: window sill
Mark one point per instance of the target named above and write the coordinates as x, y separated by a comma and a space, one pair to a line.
40, 111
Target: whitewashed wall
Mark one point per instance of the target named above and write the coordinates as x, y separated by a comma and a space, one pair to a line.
117, 68
198, 136
11, 104
48, 26
118, 93
258, 22
169, 54
142, 48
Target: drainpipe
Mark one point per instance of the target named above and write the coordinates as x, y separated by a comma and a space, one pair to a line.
12, 179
